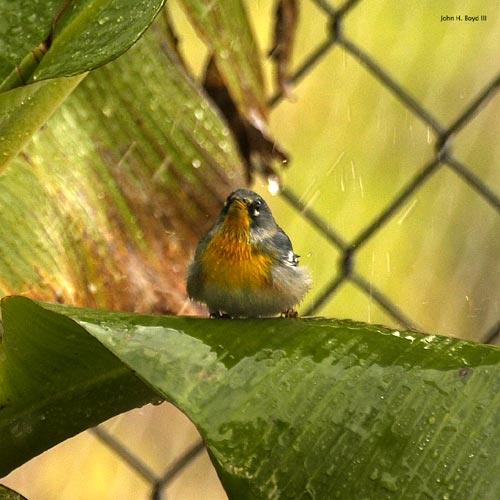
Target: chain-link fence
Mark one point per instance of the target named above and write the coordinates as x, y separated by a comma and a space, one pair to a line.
441, 137
443, 158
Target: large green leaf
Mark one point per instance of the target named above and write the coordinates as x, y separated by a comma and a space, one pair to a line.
166, 132
95, 32
289, 408
24, 110
55, 382
24, 26
86, 35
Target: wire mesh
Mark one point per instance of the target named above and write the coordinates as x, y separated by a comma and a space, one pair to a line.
347, 269
443, 157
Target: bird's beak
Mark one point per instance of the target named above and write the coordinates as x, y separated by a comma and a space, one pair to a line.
237, 208
237, 215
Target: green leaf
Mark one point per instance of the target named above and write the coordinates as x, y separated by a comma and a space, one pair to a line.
87, 34
24, 26
168, 128
92, 33
301, 408
24, 110
55, 382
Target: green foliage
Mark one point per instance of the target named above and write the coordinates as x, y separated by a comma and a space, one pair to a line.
289, 408
23, 110
54, 382
84, 34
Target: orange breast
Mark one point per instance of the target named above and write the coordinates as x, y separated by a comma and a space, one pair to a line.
230, 262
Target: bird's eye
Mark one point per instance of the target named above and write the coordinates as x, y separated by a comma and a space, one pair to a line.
254, 208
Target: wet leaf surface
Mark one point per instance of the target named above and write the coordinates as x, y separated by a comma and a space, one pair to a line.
79, 35
54, 383
25, 109
300, 408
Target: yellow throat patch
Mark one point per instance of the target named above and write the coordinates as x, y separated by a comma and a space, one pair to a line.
229, 260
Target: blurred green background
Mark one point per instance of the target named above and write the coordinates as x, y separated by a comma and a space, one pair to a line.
353, 147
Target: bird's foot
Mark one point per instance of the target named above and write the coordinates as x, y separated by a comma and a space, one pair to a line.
219, 315
289, 313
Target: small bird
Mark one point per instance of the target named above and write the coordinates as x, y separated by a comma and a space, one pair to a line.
245, 265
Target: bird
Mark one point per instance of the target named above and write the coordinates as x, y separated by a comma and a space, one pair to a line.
245, 266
